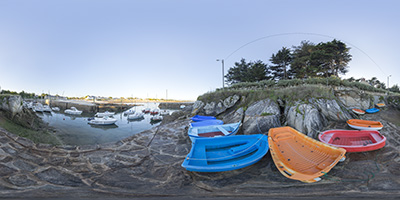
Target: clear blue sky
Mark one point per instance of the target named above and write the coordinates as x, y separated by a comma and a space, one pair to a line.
125, 48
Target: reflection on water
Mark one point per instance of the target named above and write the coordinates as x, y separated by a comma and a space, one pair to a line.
75, 130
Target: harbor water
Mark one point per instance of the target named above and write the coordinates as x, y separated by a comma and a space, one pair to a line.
75, 130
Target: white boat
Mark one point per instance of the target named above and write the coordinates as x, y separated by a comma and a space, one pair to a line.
73, 111
164, 112
134, 116
106, 120
55, 109
128, 112
156, 118
38, 107
103, 114
46, 108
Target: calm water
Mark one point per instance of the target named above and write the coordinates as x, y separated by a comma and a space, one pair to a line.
75, 130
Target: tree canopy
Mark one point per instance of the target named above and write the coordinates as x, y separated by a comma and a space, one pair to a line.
306, 60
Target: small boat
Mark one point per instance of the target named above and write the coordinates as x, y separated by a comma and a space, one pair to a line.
56, 109
198, 118
135, 116
353, 140
146, 110
358, 111
156, 118
300, 157
155, 111
225, 153
103, 114
380, 105
207, 123
129, 111
106, 120
46, 108
164, 112
73, 111
213, 130
364, 124
372, 110
38, 107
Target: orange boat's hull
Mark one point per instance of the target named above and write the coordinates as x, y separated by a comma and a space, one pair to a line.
358, 111
364, 124
300, 157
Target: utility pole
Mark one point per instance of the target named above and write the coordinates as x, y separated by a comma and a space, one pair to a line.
223, 77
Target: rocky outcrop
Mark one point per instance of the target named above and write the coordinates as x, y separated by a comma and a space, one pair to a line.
215, 108
11, 104
305, 118
261, 116
331, 109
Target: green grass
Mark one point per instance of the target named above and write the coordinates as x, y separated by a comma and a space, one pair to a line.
41, 136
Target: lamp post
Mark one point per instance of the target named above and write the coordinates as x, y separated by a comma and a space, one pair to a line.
388, 81
223, 82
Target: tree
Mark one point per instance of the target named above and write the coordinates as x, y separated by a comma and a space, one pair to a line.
247, 72
282, 61
301, 66
334, 57
395, 88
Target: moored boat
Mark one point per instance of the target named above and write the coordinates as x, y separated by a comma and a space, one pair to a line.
103, 114
225, 153
213, 130
106, 120
73, 111
56, 109
354, 140
135, 116
358, 111
156, 118
364, 124
300, 157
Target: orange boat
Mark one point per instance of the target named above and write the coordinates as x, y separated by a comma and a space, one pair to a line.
358, 111
300, 157
364, 124
380, 105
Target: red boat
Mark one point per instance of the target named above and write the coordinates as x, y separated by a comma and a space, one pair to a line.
354, 140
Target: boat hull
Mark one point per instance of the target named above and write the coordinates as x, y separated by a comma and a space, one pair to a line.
198, 118
372, 110
358, 111
300, 157
354, 140
213, 131
207, 123
364, 124
225, 154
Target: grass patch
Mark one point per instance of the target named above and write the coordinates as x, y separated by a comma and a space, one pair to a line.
41, 136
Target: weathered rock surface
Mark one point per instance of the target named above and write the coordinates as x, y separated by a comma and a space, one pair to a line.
261, 116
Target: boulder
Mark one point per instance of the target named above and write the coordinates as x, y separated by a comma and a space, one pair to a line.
331, 110
353, 99
261, 116
11, 103
305, 118
215, 108
197, 107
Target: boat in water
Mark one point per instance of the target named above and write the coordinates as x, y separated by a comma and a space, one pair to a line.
353, 140
364, 124
46, 108
225, 153
56, 109
135, 116
106, 120
103, 114
38, 107
300, 157
73, 111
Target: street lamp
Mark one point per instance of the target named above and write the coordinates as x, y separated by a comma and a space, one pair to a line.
388, 81
222, 60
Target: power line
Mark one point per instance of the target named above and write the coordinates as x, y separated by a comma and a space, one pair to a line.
301, 33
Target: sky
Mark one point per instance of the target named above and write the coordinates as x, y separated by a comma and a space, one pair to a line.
169, 48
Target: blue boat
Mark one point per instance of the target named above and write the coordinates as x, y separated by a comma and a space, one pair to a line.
198, 118
207, 123
213, 130
225, 153
372, 110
